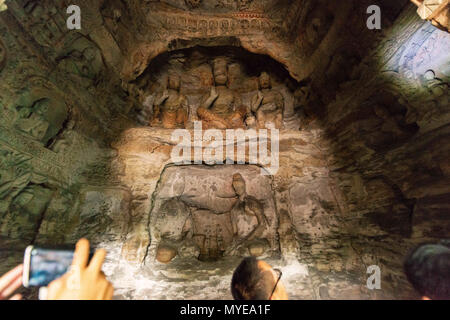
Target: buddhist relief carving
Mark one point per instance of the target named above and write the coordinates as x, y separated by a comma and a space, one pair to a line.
66, 139
423, 78
248, 218
211, 4
193, 86
234, 4
226, 233
31, 119
22, 197
244, 4
223, 108
171, 109
40, 114
82, 58
15, 176
268, 104
46, 22
227, 221
239, 24
193, 3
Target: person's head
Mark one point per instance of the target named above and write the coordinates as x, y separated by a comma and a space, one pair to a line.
427, 267
264, 80
256, 280
220, 71
238, 184
174, 82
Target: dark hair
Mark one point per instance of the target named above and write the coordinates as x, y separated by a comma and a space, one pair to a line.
427, 267
249, 282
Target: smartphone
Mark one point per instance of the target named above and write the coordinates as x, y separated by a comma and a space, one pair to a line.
43, 265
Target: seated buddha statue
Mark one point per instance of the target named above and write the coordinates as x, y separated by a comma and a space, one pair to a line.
171, 110
267, 104
223, 108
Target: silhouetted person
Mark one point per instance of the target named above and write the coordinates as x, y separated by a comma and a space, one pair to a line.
428, 269
256, 280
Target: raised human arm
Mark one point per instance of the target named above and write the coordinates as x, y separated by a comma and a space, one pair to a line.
256, 101
163, 98
210, 100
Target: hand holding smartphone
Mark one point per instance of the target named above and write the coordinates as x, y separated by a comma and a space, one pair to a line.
43, 265
69, 275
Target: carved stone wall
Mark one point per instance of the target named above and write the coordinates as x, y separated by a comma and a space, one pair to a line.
195, 70
388, 151
363, 152
53, 108
196, 210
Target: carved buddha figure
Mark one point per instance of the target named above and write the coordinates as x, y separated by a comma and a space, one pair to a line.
244, 4
32, 123
223, 108
40, 113
232, 231
171, 109
247, 216
67, 138
83, 58
268, 104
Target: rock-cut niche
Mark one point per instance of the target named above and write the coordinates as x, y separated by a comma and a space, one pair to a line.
208, 212
224, 87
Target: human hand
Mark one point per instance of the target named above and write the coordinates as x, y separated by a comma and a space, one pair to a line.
82, 281
10, 282
256, 101
260, 95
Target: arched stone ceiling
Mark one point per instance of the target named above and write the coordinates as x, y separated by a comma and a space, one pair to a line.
299, 34
302, 35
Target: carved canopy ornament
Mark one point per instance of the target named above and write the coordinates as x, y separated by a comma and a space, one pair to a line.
229, 4
436, 11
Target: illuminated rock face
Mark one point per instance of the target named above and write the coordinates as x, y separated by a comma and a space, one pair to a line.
363, 157
203, 207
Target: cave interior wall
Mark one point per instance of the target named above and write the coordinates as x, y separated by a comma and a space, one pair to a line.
363, 158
